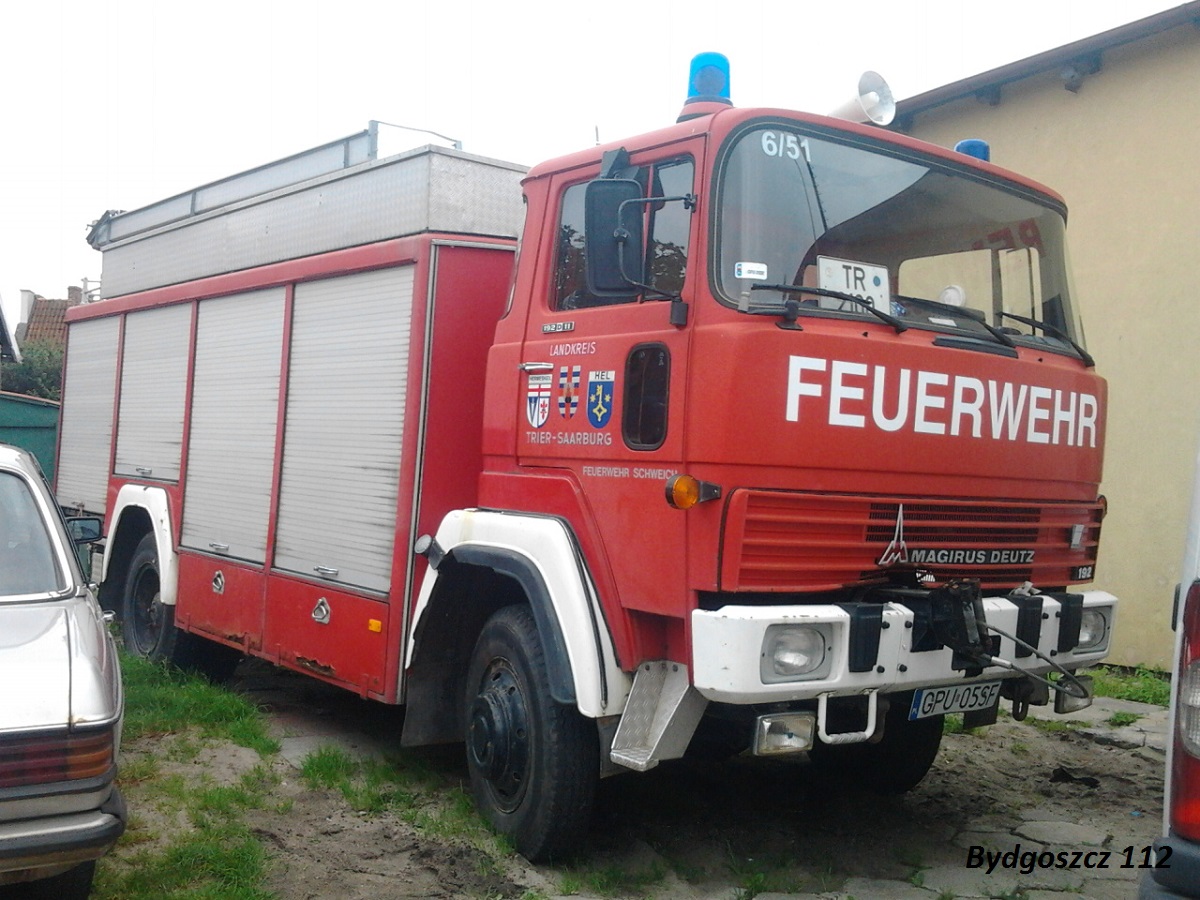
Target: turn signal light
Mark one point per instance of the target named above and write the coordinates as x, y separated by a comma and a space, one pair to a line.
684, 491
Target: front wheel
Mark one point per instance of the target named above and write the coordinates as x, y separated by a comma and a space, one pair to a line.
534, 763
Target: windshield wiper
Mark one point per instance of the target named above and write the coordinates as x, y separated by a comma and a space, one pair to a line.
1054, 332
836, 295
974, 315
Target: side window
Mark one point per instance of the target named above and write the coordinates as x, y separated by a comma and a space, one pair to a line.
668, 231
670, 228
570, 279
647, 383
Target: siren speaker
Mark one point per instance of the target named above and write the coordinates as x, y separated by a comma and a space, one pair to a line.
873, 102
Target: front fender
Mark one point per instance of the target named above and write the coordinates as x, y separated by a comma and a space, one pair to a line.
541, 555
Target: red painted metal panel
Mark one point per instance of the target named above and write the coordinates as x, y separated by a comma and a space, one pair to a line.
222, 599
333, 635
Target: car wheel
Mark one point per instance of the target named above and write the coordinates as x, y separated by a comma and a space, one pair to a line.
533, 762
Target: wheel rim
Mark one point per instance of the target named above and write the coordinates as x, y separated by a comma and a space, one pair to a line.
498, 735
147, 610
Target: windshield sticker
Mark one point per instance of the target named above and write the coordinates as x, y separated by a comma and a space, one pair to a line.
750, 270
600, 397
939, 320
537, 400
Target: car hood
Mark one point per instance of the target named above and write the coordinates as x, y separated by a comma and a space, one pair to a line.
57, 662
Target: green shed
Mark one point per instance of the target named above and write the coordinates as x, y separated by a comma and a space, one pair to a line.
30, 423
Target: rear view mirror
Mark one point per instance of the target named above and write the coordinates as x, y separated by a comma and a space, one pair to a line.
613, 231
85, 529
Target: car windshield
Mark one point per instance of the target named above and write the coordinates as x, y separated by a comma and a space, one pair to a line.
932, 245
27, 558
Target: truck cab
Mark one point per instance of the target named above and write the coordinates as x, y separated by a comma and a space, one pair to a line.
812, 402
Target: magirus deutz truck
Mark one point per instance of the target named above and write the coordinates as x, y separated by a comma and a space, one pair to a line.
766, 432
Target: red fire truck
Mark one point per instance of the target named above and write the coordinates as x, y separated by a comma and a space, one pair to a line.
777, 435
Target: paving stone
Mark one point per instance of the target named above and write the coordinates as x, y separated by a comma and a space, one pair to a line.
1062, 834
1052, 880
875, 889
1108, 890
960, 881
991, 839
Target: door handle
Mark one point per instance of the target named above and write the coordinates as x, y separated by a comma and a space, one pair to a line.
536, 367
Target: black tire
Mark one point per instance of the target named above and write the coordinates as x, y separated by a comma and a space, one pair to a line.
148, 625
534, 763
74, 884
896, 764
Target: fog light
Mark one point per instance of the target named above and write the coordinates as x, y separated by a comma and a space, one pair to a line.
1093, 629
784, 733
1066, 703
795, 651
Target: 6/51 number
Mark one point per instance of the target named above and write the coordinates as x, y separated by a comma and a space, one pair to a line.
787, 146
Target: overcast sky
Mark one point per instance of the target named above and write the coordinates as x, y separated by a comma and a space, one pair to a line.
114, 104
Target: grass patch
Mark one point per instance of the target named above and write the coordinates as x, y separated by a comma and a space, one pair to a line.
407, 787
777, 873
1140, 684
186, 838
1121, 719
1054, 726
953, 724
610, 880
163, 700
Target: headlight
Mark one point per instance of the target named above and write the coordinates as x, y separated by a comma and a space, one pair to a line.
1093, 629
793, 652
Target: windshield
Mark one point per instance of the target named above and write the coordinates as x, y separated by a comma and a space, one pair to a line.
931, 245
27, 563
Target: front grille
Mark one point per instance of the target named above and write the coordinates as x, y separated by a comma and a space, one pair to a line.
779, 541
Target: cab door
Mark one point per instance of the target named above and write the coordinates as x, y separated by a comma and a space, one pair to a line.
603, 378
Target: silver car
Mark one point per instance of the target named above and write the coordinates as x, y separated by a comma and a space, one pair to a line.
61, 700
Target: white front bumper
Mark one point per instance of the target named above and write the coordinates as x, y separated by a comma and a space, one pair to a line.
728, 644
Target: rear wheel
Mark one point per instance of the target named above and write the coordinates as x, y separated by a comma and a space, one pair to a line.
896, 764
534, 763
149, 624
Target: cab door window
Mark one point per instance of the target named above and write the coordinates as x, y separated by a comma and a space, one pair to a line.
668, 230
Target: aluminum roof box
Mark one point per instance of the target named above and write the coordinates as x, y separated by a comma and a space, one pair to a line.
329, 198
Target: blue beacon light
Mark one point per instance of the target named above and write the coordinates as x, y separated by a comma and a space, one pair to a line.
974, 147
708, 79
708, 86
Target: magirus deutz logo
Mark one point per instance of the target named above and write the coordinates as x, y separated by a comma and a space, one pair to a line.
898, 552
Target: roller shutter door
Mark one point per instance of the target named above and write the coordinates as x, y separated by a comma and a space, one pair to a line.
345, 427
153, 390
87, 415
235, 407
